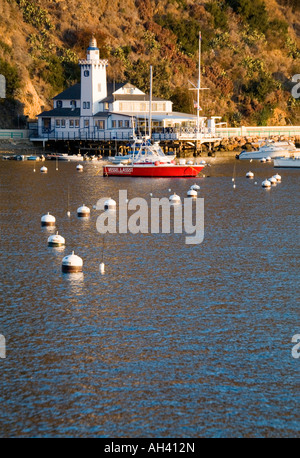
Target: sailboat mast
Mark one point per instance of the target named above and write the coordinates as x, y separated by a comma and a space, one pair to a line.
199, 83
150, 102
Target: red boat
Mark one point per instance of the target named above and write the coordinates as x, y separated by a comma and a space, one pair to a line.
151, 162
152, 170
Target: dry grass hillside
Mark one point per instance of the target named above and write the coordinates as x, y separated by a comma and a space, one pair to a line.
250, 51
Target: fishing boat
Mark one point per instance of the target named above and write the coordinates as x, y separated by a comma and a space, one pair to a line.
288, 162
150, 161
270, 149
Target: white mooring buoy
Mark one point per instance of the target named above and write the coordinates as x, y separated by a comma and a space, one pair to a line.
266, 184
43, 169
68, 213
79, 168
48, 220
72, 263
263, 159
83, 211
249, 175
273, 180
174, 199
192, 193
110, 204
195, 187
56, 240
268, 159
277, 176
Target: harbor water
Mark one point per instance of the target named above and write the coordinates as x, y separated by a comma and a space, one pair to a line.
174, 340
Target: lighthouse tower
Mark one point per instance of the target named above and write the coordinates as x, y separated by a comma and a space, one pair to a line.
93, 80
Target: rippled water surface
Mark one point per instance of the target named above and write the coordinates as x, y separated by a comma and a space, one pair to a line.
174, 340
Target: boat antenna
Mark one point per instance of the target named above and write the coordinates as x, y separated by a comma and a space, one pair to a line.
150, 103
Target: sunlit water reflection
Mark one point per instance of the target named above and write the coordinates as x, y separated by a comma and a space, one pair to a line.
174, 340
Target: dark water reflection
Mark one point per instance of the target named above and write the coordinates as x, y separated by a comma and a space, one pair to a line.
174, 340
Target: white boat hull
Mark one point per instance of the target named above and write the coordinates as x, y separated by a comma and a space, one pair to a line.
290, 162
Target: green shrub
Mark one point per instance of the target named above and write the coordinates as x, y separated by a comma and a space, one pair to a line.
186, 31
218, 10
35, 15
13, 81
264, 115
252, 11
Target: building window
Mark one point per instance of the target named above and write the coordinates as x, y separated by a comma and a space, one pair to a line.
73, 103
142, 107
99, 87
86, 105
126, 123
57, 123
114, 124
59, 104
86, 73
120, 123
71, 123
77, 123
106, 106
63, 123
86, 123
99, 124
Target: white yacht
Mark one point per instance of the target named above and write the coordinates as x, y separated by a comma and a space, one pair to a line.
270, 149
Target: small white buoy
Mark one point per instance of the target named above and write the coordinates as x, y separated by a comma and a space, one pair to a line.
255, 182
110, 204
277, 176
169, 189
195, 187
273, 180
268, 159
72, 263
234, 186
101, 268
266, 184
79, 168
48, 220
192, 193
83, 211
249, 174
263, 159
68, 213
174, 199
250, 160
43, 169
150, 194
56, 240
